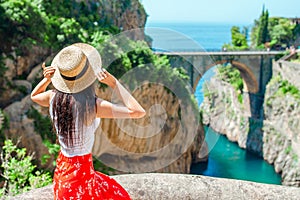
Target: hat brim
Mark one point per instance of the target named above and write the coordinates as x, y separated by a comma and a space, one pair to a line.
87, 79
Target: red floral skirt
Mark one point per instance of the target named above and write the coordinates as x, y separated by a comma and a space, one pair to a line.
75, 178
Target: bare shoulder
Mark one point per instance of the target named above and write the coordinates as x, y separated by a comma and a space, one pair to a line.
43, 99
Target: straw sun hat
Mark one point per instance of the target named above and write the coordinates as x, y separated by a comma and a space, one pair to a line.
76, 65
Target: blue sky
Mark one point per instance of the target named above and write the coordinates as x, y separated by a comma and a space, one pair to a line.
241, 11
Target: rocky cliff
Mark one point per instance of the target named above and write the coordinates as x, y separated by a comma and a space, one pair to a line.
125, 14
186, 187
163, 141
281, 125
222, 111
22, 130
276, 138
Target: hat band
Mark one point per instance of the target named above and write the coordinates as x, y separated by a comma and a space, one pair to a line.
73, 78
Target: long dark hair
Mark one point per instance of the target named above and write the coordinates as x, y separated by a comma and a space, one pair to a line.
73, 111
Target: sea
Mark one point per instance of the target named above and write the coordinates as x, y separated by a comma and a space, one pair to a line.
190, 36
226, 158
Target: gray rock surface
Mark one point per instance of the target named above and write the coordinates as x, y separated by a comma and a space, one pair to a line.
282, 123
288, 70
224, 114
182, 186
21, 128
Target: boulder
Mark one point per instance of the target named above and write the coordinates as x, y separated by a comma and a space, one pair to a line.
21, 129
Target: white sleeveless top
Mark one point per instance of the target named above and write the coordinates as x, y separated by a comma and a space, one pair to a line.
84, 144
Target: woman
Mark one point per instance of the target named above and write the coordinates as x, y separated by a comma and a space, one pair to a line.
76, 112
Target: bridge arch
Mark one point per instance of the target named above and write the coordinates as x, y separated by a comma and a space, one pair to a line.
249, 79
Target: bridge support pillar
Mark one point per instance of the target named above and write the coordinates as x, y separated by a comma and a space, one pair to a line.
255, 134
256, 105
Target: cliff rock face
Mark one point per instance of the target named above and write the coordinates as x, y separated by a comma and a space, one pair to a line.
187, 187
14, 89
223, 113
282, 123
22, 131
125, 14
162, 141
226, 114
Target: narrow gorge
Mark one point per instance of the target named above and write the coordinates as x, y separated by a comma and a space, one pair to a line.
275, 136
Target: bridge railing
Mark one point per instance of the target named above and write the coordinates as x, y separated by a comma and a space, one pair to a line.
248, 52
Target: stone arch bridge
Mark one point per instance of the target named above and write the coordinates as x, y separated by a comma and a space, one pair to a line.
255, 68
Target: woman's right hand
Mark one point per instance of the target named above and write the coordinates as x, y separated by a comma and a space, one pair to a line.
106, 78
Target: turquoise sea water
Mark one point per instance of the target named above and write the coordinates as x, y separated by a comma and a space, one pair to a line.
226, 159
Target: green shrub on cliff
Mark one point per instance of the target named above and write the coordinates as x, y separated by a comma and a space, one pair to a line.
23, 23
3, 69
19, 173
283, 32
48, 23
282, 88
287, 88
232, 76
297, 59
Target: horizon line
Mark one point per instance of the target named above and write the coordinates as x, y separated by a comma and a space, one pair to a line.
194, 21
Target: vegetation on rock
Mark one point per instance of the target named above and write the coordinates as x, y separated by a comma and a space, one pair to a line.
296, 59
282, 99
18, 171
232, 75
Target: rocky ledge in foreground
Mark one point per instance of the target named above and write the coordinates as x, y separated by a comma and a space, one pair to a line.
182, 186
